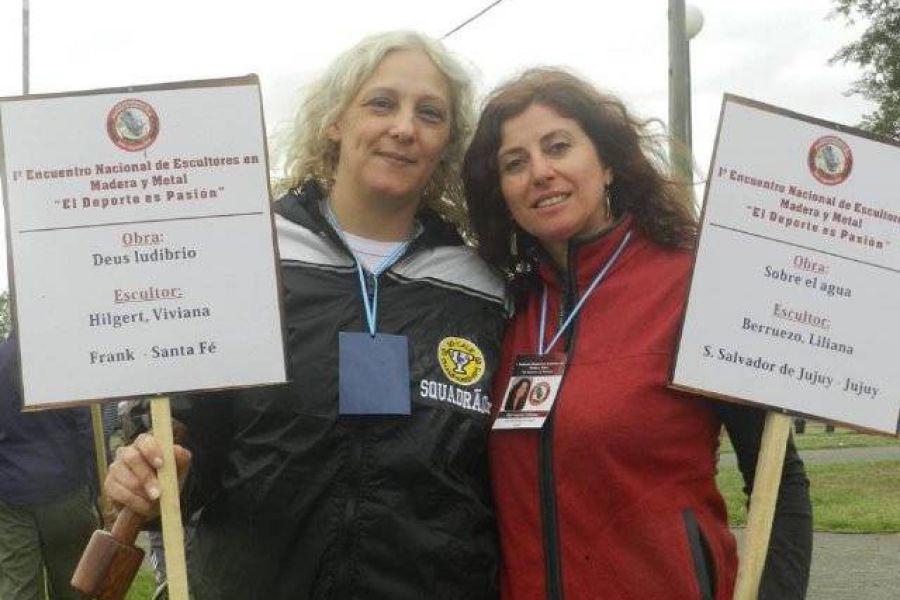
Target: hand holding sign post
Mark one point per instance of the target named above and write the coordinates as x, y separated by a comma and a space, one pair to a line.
794, 286
123, 211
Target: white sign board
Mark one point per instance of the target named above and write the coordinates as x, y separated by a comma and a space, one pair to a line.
796, 285
141, 242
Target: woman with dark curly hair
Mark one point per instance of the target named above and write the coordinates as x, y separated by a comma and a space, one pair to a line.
518, 394
613, 496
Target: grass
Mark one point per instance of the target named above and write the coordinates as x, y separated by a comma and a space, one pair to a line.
143, 587
860, 497
815, 438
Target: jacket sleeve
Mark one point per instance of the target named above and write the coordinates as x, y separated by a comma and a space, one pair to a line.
786, 572
208, 428
202, 424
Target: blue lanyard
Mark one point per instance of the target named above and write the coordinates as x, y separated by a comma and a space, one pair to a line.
371, 306
597, 279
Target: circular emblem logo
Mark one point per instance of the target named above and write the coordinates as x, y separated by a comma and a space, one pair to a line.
461, 360
830, 160
132, 125
539, 393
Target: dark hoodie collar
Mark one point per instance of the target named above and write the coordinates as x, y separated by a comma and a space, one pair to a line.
587, 256
302, 205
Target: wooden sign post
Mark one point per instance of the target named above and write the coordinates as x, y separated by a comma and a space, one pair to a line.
794, 287
169, 505
100, 455
123, 207
762, 505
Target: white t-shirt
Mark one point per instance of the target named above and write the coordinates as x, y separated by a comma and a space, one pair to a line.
369, 252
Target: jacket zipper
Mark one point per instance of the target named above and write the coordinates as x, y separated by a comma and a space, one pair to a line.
699, 555
344, 575
547, 483
351, 510
343, 578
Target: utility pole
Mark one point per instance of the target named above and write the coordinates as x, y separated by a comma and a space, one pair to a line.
25, 45
679, 94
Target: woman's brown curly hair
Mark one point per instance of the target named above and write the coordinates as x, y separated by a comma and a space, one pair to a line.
662, 208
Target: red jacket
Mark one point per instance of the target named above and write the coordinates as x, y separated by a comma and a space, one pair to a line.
611, 499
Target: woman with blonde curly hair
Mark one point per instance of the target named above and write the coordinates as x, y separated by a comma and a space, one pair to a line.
613, 495
365, 476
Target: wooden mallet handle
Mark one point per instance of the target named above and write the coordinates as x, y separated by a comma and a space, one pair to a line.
111, 560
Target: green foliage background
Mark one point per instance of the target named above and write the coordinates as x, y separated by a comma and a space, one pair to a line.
878, 53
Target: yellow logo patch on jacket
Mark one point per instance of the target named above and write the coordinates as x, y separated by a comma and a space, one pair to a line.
461, 360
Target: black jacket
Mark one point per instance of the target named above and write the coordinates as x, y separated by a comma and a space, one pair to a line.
298, 502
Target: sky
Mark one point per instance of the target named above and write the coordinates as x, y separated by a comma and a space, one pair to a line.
775, 51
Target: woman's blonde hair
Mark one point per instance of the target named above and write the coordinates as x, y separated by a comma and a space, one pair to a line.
304, 152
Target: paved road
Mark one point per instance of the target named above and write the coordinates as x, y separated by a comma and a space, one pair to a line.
837, 455
855, 566
850, 566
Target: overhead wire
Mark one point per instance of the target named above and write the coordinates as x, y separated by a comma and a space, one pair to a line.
470, 19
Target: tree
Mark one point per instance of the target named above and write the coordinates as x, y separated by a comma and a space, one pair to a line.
878, 53
4, 315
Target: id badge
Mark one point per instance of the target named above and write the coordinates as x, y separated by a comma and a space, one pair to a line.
373, 374
531, 391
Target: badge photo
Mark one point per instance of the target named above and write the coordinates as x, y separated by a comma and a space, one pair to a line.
517, 394
531, 391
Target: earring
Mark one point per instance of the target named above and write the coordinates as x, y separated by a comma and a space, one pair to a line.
606, 197
520, 264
